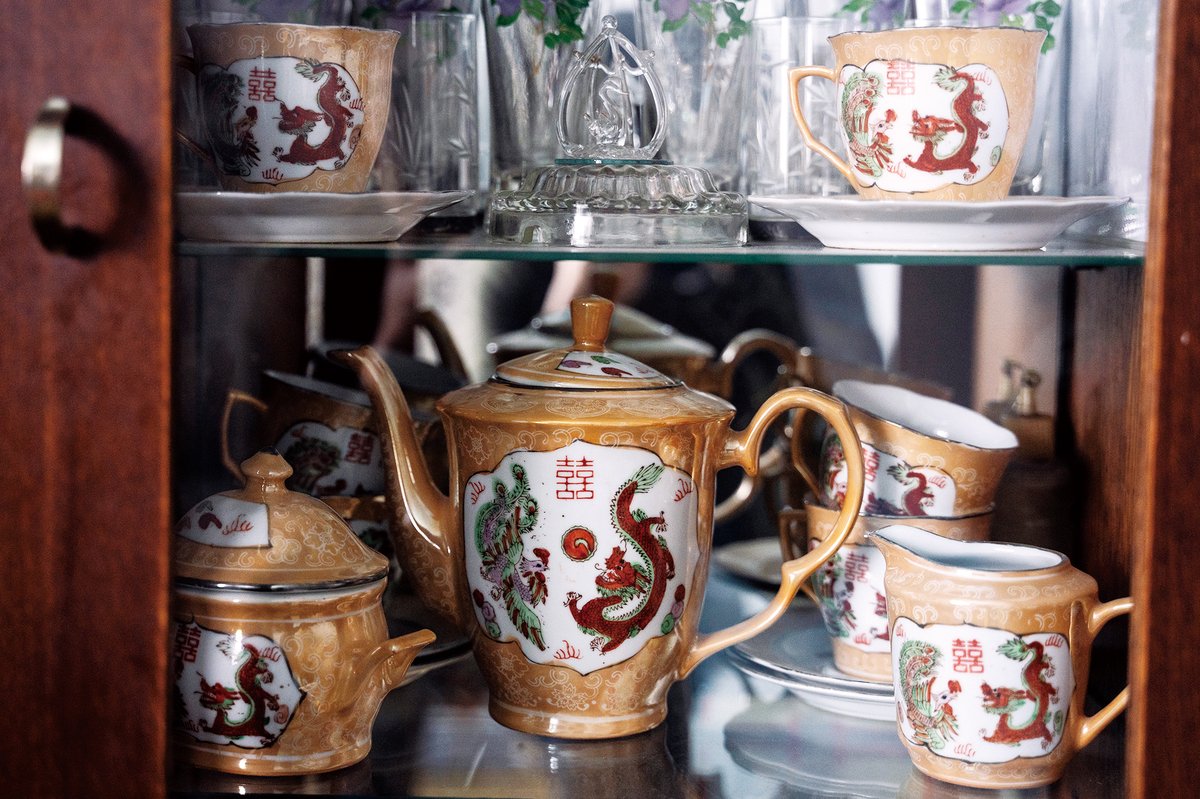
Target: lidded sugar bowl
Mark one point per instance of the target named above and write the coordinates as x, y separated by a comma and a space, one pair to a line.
280, 649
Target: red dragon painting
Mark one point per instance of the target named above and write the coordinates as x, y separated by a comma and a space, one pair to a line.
629, 592
331, 109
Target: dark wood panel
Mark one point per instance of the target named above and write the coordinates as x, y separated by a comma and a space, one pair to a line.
84, 419
1164, 723
1102, 414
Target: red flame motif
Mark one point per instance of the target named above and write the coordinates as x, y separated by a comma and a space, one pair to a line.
272, 174
239, 525
567, 652
476, 489
685, 488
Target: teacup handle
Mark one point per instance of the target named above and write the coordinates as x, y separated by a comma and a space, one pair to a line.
798, 460
1091, 726
720, 377
794, 77
787, 548
235, 397
742, 449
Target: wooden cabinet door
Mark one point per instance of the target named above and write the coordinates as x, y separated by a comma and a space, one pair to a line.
85, 406
1164, 717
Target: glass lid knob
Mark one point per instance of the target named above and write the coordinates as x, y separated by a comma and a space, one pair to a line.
611, 96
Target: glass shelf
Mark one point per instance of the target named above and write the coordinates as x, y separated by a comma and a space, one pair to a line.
727, 736
1064, 251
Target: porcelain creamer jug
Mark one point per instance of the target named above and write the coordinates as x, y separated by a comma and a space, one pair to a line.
573, 546
991, 644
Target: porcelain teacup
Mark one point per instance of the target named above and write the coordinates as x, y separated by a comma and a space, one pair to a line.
288, 107
928, 113
922, 456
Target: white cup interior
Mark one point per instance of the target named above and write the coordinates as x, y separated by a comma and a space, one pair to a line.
987, 556
929, 416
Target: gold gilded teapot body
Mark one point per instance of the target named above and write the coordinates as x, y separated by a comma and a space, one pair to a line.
573, 546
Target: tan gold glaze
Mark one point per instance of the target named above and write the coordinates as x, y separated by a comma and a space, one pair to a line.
933, 583
684, 430
1011, 52
339, 652
264, 575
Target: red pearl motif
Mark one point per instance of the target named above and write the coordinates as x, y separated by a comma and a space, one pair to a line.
579, 543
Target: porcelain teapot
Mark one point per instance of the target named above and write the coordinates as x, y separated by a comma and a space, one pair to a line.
574, 544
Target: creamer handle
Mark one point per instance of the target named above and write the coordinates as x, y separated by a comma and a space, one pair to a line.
1091, 726
741, 449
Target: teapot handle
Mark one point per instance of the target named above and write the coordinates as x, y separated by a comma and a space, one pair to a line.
742, 449
235, 397
1091, 726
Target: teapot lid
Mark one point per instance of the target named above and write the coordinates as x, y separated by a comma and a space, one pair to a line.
586, 363
265, 537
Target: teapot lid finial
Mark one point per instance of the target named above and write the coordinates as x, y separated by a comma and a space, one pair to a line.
266, 470
590, 319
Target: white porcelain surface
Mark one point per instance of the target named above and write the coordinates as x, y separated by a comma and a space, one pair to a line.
1016, 223
581, 555
306, 217
930, 416
795, 652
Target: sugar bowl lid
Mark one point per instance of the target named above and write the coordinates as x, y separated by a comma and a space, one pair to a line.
264, 537
586, 363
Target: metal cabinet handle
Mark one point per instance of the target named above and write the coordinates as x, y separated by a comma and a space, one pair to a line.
41, 173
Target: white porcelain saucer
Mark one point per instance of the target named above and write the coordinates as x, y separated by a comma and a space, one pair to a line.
1015, 223
306, 217
758, 559
822, 754
795, 652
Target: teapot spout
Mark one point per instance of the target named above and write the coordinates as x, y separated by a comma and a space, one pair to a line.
422, 516
384, 669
